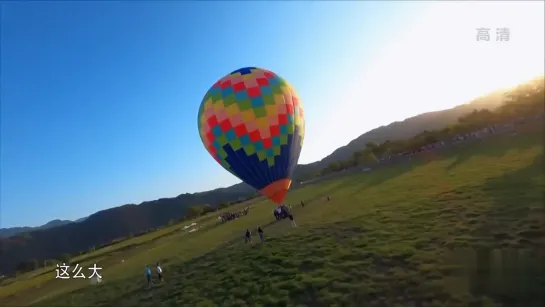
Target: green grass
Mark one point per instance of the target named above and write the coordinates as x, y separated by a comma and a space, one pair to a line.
463, 227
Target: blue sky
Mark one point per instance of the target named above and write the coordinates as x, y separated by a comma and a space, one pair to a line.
99, 99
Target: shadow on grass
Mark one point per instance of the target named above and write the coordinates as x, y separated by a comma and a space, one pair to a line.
461, 152
512, 270
323, 193
518, 204
483, 147
386, 173
510, 276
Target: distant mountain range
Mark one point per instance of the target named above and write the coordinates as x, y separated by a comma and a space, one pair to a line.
60, 237
8, 232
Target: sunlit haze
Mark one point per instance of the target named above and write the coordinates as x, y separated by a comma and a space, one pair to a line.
99, 100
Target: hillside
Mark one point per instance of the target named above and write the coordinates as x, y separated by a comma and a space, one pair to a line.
469, 238
401, 130
105, 226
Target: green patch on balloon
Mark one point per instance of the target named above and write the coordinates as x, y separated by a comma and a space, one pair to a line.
236, 144
269, 100
277, 90
222, 140
249, 149
222, 154
261, 156
291, 129
245, 104
229, 100
215, 97
260, 112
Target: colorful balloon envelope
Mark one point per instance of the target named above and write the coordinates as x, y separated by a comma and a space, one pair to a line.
251, 122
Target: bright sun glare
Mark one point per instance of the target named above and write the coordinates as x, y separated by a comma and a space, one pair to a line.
435, 62
440, 52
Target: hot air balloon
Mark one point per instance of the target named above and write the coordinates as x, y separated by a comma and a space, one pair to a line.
251, 122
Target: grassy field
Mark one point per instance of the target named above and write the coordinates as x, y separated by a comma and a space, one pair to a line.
462, 227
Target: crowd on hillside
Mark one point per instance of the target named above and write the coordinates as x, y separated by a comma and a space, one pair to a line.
229, 216
487, 131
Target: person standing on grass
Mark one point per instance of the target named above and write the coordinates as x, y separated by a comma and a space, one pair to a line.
260, 233
248, 236
148, 275
292, 220
159, 272
302, 204
276, 215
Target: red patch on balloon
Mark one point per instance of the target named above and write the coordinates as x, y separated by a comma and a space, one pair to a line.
237, 87
275, 131
262, 81
289, 108
240, 130
225, 84
267, 143
282, 119
255, 136
225, 125
212, 121
253, 92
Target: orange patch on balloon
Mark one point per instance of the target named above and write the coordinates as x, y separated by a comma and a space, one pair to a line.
221, 115
277, 190
273, 119
265, 132
235, 120
251, 125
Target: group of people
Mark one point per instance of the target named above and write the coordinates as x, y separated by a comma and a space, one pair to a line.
159, 272
229, 216
282, 212
492, 129
248, 235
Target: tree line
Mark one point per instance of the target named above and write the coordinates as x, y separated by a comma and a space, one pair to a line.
525, 100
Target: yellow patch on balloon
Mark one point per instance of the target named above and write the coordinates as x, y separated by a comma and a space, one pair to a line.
248, 115
272, 110
263, 122
218, 105
208, 104
232, 110
279, 99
